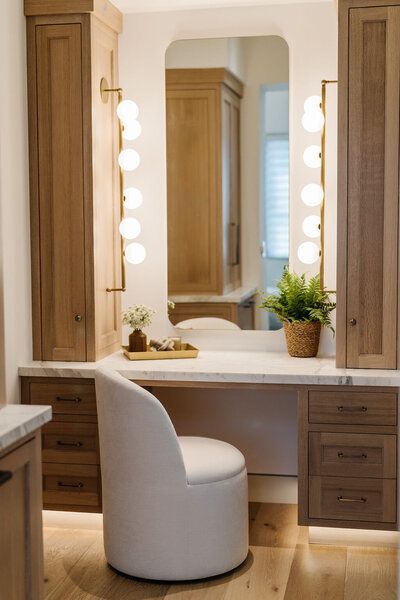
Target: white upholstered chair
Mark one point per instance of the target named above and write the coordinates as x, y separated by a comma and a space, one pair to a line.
207, 323
174, 508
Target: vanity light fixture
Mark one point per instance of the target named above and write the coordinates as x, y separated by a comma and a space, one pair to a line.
312, 156
308, 253
128, 160
311, 226
313, 194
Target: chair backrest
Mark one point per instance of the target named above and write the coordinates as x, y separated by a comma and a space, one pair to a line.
207, 323
138, 443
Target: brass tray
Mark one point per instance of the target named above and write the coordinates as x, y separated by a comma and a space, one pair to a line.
187, 351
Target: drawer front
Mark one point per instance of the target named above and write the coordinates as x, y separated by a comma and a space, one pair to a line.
71, 485
352, 455
65, 398
352, 407
350, 499
70, 443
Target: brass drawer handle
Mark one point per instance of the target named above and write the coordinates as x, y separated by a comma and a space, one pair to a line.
74, 444
352, 408
343, 499
71, 485
68, 399
342, 455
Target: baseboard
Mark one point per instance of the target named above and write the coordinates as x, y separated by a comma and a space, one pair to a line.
273, 489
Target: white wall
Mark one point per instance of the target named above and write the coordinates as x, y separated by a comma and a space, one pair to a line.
266, 62
15, 294
310, 31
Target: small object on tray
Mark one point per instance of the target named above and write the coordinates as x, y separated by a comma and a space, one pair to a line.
186, 351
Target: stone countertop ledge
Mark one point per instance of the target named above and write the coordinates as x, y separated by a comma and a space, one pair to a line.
17, 421
219, 366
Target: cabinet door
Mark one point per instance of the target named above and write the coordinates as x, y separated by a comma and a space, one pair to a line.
106, 192
192, 170
230, 135
21, 546
61, 191
373, 148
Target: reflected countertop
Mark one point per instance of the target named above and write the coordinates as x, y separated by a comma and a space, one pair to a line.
222, 366
237, 296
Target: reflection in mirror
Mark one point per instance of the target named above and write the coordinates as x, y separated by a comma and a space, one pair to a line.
227, 111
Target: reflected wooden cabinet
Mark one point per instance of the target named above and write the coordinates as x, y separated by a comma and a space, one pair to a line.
74, 183
203, 169
368, 185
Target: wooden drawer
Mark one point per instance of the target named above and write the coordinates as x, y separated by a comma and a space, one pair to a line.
70, 443
350, 499
71, 485
352, 455
65, 398
352, 407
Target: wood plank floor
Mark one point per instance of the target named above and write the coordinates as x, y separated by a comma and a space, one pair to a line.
281, 565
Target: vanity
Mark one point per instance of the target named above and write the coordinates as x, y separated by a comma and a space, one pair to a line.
21, 545
347, 428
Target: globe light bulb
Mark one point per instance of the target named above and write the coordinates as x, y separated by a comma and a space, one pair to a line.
308, 253
129, 228
131, 130
127, 111
313, 103
312, 157
311, 226
313, 121
135, 253
133, 198
312, 194
129, 159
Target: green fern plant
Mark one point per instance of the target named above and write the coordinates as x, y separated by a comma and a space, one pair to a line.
299, 301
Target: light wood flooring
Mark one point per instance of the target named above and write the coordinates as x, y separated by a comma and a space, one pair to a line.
281, 565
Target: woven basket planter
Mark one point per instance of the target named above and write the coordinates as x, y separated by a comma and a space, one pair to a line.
302, 339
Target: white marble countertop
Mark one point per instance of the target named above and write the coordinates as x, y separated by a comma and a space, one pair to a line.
18, 421
235, 297
224, 366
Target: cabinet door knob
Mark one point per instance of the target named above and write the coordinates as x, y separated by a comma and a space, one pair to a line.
78, 318
353, 322
5, 476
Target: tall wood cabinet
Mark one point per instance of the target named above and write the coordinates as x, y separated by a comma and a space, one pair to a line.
203, 169
368, 185
74, 183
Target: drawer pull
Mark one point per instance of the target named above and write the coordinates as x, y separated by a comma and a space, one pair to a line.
71, 444
341, 455
71, 485
5, 476
352, 408
343, 499
68, 399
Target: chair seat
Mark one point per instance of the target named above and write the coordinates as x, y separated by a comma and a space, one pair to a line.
207, 460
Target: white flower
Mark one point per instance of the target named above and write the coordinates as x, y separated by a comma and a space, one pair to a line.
138, 316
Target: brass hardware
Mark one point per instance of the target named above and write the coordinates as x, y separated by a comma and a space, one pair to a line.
342, 455
72, 444
353, 322
324, 83
105, 90
343, 499
352, 408
71, 485
69, 399
78, 318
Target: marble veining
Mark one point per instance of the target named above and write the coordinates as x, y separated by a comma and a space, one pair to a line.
224, 366
18, 421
